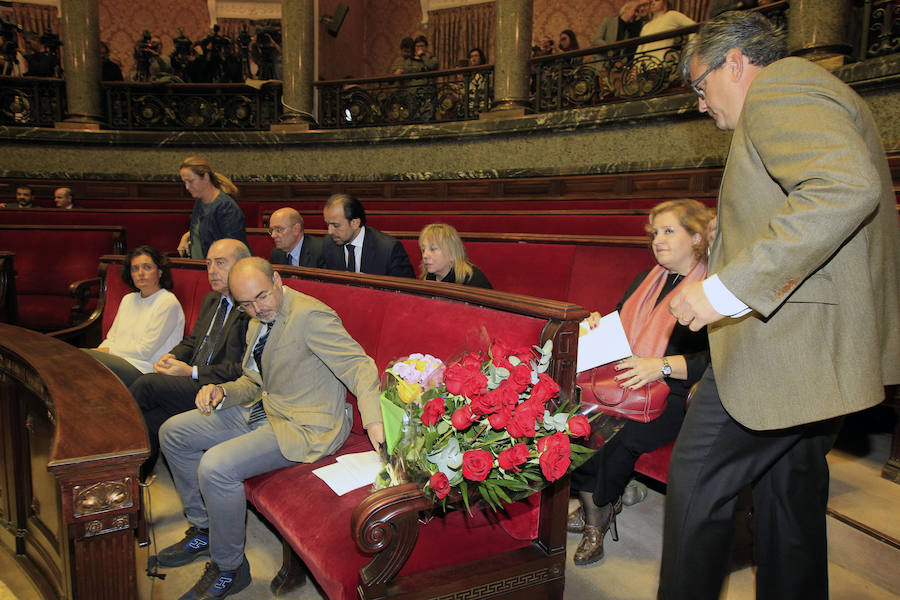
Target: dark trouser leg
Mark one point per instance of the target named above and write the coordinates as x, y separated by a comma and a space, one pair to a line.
608, 471
714, 457
160, 397
790, 543
121, 368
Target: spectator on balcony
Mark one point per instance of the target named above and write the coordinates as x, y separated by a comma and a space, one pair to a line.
40, 63
423, 54
216, 215
662, 19
444, 258
62, 197
109, 70
414, 57
478, 85
544, 47
623, 27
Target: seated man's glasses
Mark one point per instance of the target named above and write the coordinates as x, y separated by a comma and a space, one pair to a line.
696, 82
260, 298
278, 230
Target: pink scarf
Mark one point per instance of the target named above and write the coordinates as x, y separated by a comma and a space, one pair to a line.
649, 325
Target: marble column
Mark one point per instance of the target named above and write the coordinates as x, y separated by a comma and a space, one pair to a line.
512, 49
80, 54
297, 56
817, 30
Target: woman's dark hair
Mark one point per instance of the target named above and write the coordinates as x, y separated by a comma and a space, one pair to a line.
161, 262
480, 53
572, 38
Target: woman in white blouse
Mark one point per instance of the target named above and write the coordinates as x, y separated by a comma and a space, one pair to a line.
149, 321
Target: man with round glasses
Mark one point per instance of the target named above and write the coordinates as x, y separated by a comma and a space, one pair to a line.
292, 246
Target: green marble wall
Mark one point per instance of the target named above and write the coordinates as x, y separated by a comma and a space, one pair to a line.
661, 133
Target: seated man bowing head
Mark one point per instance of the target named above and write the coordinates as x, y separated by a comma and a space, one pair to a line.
288, 406
210, 354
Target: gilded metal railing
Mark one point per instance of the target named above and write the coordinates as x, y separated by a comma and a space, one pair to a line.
192, 106
32, 101
452, 95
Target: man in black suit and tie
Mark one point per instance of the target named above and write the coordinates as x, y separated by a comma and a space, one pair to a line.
292, 247
210, 354
351, 246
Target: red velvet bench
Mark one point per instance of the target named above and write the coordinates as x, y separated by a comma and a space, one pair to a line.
50, 261
373, 545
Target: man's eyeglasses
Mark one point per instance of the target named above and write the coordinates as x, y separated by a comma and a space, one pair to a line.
278, 230
696, 82
260, 298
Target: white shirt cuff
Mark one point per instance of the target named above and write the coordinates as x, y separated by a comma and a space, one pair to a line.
194, 374
723, 300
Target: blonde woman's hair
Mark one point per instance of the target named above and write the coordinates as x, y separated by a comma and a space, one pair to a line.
201, 167
694, 216
447, 239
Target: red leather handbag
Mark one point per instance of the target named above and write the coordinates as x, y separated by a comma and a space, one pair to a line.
601, 393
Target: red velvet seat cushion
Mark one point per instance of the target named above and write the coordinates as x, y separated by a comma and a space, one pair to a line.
656, 464
317, 526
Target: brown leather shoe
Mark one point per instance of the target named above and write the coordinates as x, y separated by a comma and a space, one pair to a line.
575, 521
590, 550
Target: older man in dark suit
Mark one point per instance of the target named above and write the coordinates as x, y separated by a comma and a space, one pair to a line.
210, 354
802, 307
292, 246
352, 246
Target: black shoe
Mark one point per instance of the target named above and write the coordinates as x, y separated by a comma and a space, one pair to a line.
194, 545
218, 584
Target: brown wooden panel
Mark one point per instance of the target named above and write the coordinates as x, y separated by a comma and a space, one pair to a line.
161, 190
424, 189
314, 189
465, 188
527, 187
592, 186
105, 189
662, 184
369, 189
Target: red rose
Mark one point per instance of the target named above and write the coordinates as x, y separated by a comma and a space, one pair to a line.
433, 411
500, 348
487, 404
464, 381
520, 377
521, 424
555, 455
440, 484
579, 426
533, 408
511, 458
499, 419
477, 464
471, 361
508, 395
462, 418
544, 389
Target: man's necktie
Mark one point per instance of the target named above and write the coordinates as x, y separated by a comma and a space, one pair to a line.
205, 351
258, 412
291, 260
351, 258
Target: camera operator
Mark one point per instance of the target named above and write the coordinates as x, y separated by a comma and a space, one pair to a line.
11, 60
214, 46
543, 48
41, 63
152, 64
266, 52
182, 56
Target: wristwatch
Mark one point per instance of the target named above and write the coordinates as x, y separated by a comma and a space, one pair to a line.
666, 368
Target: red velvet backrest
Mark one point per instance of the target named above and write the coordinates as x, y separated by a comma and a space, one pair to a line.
48, 260
261, 243
601, 274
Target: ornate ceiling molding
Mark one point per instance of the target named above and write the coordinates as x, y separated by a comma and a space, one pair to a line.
246, 9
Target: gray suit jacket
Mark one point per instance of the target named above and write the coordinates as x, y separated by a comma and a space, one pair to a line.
808, 239
308, 360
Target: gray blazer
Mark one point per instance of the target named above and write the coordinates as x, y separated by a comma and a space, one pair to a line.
808, 239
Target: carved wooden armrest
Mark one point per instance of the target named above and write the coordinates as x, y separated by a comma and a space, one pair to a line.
82, 291
387, 523
88, 329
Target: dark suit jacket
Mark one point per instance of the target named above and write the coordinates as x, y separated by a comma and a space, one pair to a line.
225, 362
381, 255
309, 253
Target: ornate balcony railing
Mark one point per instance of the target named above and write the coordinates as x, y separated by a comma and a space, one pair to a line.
32, 101
881, 28
632, 69
192, 106
452, 95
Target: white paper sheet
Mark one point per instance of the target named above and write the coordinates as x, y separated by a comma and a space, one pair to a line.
352, 471
603, 344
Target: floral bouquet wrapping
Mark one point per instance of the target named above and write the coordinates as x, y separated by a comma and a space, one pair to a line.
483, 427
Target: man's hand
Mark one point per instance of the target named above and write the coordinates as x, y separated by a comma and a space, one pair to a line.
209, 397
184, 245
169, 365
692, 308
376, 435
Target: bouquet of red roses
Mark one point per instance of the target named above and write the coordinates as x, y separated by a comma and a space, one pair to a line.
488, 427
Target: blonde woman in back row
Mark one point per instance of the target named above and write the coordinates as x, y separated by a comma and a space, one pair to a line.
444, 258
